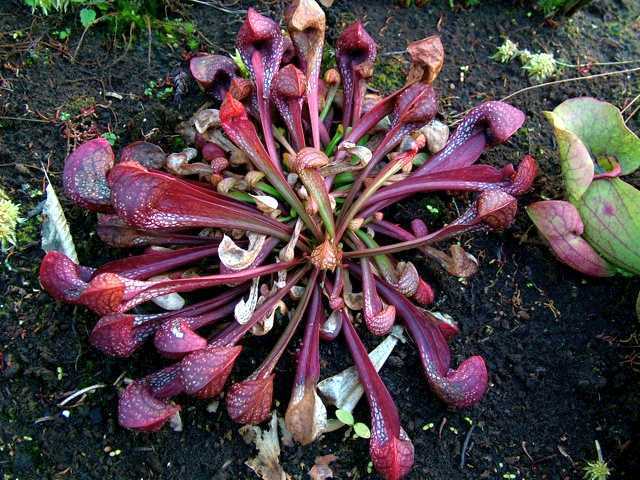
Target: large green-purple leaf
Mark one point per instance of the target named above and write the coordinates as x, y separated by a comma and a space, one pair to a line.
590, 133
560, 224
610, 211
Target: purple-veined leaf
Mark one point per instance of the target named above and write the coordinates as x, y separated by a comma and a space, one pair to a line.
560, 224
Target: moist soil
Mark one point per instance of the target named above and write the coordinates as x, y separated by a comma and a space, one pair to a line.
562, 349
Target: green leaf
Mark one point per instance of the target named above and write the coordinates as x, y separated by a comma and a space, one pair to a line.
237, 59
590, 133
610, 211
87, 17
345, 417
110, 137
576, 163
361, 430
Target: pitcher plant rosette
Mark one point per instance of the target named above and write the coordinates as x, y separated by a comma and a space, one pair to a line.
284, 195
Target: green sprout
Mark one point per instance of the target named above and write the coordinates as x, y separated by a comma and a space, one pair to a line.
62, 34
360, 430
237, 59
598, 470
8, 220
148, 91
110, 137
506, 52
540, 66
87, 17
48, 5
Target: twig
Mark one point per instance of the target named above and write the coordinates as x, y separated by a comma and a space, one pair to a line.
126, 49
566, 455
635, 99
465, 445
596, 64
567, 80
544, 459
599, 452
524, 448
47, 418
80, 392
20, 119
632, 114
442, 424
119, 379
218, 7
393, 53
75, 52
148, 22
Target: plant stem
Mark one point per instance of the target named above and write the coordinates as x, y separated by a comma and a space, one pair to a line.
334, 141
270, 362
329, 101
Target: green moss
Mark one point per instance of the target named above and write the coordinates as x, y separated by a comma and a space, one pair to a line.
389, 75
77, 104
328, 58
28, 232
346, 18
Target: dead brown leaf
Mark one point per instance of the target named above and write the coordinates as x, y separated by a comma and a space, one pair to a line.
321, 470
427, 58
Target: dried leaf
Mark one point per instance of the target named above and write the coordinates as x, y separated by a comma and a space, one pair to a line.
265, 203
321, 470
262, 327
55, 229
288, 251
176, 422
204, 119
244, 309
267, 463
427, 59
285, 434
332, 325
344, 389
170, 301
236, 258
362, 153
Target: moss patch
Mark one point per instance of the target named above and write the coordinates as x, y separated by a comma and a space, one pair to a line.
390, 74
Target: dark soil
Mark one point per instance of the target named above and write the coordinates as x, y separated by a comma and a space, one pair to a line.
562, 349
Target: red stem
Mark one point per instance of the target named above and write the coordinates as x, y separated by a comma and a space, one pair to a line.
265, 110
269, 363
141, 267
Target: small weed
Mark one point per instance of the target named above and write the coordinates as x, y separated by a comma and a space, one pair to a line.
161, 91
598, 470
539, 65
110, 137
237, 59
9, 212
62, 34
119, 15
562, 7
390, 75
360, 430
87, 17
